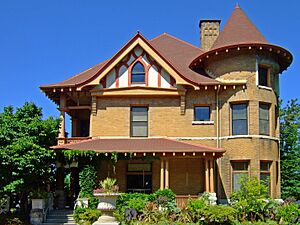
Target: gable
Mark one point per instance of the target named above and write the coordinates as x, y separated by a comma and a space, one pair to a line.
137, 40
121, 75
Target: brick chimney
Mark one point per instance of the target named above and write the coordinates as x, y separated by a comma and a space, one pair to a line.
209, 31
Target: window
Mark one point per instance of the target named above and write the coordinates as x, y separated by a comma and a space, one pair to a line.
263, 76
264, 119
239, 169
138, 73
201, 113
265, 174
139, 121
139, 177
239, 119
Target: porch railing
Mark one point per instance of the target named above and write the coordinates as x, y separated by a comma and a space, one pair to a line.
181, 200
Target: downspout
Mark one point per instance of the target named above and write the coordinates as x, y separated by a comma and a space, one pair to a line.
218, 117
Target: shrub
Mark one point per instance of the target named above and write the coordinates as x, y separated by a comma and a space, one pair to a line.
288, 213
251, 200
87, 181
165, 199
86, 216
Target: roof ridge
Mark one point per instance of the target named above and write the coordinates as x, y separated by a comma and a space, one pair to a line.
177, 39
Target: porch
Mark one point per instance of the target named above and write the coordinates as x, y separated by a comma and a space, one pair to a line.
146, 165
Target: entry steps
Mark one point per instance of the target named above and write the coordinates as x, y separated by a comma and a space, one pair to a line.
60, 217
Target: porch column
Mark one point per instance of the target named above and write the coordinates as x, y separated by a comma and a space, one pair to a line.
59, 191
206, 176
62, 108
162, 169
74, 186
211, 165
167, 174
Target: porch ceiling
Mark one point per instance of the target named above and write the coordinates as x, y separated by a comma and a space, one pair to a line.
140, 145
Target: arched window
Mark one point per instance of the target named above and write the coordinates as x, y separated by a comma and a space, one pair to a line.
138, 73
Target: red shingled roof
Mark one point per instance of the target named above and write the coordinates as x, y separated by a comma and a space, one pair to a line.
176, 52
180, 53
238, 30
137, 145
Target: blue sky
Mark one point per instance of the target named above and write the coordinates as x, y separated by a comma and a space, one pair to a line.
44, 42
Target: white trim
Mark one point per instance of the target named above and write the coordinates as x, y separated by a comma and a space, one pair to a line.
227, 137
256, 67
265, 87
203, 122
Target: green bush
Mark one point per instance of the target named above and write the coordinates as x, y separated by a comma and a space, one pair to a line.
135, 201
288, 213
87, 181
251, 200
86, 216
200, 210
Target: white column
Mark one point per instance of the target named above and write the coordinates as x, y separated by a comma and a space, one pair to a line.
167, 174
206, 176
162, 169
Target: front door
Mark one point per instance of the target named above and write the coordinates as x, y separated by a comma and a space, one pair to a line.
139, 177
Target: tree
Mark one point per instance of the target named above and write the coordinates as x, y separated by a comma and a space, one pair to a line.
25, 157
290, 149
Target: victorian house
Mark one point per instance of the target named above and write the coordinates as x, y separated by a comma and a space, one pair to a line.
190, 118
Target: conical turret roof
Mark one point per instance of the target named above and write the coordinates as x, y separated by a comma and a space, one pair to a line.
239, 30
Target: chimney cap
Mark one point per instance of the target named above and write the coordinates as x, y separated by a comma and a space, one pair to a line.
209, 20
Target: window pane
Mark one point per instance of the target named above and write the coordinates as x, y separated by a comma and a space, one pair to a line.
239, 127
138, 73
265, 166
265, 177
202, 113
264, 119
138, 68
236, 181
239, 111
239, 119
264, 127
239, 166
139, 167
139, 121
263, 76
139, 129
139, 113
137, 78
264, 111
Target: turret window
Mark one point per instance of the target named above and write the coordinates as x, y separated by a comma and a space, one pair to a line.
264, 124
263, 76
138, 73
239, 117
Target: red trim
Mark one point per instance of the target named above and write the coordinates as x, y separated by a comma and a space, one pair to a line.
117, 76
139, 59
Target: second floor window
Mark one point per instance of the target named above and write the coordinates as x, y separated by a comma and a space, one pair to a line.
138, 73
263, 76
264, 119
239, 117
201, 113
139, 121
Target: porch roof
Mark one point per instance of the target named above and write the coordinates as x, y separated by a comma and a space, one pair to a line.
139, 145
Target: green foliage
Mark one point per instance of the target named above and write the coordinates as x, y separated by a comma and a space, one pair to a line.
108, 184
87, 181
93, 202
135, 201
250, 201
290, 149
38, 194
86, 216
25, 157
288, 213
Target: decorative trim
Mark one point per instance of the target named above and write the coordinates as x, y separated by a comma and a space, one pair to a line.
211, 122
227, 137
94, 105
265, 87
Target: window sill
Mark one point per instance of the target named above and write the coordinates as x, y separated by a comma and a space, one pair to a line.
203, 122
264, 87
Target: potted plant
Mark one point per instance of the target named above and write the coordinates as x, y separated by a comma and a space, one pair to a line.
38, 199
107, 195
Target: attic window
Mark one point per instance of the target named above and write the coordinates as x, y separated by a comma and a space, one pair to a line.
138, 73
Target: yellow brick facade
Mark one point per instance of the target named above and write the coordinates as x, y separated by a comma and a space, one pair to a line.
165, 120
